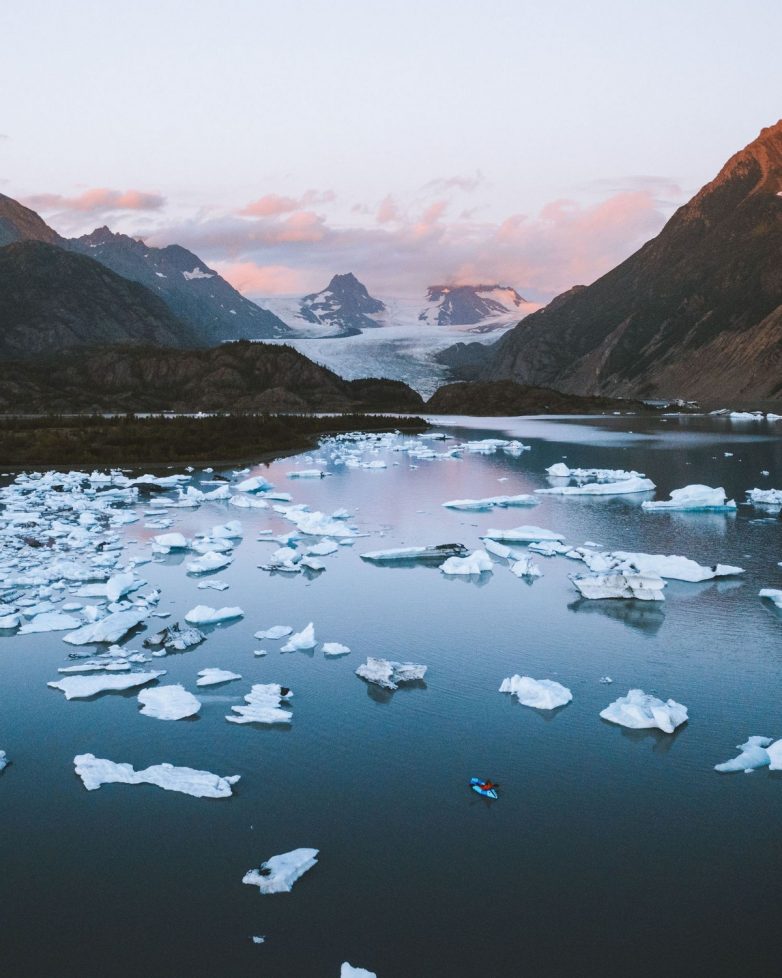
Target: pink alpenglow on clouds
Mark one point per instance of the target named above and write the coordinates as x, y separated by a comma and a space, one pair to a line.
98, 200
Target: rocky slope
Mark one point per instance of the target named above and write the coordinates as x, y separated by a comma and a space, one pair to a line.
234, 377
19, 223
696, 312
484, 306
344, 305
52, 301
505, 398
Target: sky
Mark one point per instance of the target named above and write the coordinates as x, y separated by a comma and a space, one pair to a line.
412, 142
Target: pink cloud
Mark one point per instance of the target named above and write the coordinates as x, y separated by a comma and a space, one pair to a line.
263, 279
98, 200
388, 210
273, 205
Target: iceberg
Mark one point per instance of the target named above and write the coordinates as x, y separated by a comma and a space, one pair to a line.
753, 755
478, 562
623, 487
109, 629
644, 587
695, 498
768, 498
301, 641
491, 502
349, 971
97, 771
204, 615
773, 595
335, 649
209, 677
168, 703
263, 705
80, 687
542, 694
640, 711
390, 674
278, 874
523, 534
209, 562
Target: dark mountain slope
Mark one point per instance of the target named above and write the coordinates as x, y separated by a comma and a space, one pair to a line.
19, 223
694, 313
52, 301
345, 304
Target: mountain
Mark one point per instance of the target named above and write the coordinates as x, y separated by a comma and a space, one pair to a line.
485, 306
193, 291
696, 312
52, 300
344, 305
237, 377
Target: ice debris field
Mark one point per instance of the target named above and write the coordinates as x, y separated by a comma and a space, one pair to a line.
66, 568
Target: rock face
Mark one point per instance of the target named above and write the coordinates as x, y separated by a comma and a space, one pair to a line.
52, 301
193, 291
345, 304
19, 223
235, 377
696, 312
468, 305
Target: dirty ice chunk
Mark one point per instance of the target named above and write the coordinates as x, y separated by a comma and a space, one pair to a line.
168, 703
80, 687
278, 874
97, 771
204, 615
542, 694
753, 755
644, 587
263, 704
390, 674
301, 641
695, 498
640, 711
209, 677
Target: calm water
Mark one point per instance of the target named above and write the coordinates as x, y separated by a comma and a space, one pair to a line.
609, 852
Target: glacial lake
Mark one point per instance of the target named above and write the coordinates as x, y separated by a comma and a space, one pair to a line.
609, 851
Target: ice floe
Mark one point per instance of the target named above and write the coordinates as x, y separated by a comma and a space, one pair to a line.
390, 674
335, 649
753, 755
168, 703
542, 694
349, 971
80, 687
97, 771
204, 615
301, 641
274, 633
278, 874
52, 621
437, 552
175, 638
695, 498
644, 587
209, 562
492, 502
263, 704
110, 629
641, 711
210, 677
561, 471
671, 567
623, 487
478, 562
525, 567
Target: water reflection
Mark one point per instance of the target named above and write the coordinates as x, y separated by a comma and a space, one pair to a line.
382, 695
646, 617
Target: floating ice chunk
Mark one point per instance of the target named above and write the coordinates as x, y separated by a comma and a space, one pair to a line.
523, 534
775, 755
349, 971
672, 567
753, 755
232, 530
3, 760
109, 629
773, 595
301, 641
204, 615
644, 587
258, 939
175, 638
768, 498
695, 498
542, 694
335, 649
255, 484
498, 549
80, 687
306, 474
640, 711
374, 464
623, 487
478, 562
526, 567
275, 632
312, 564
278, 874
248, 502
561, 471
209, 677
214, 585
165, 542
52, 621
324, 548
317, 524
97, 771
263, 705
120, 584
210, 561
99, 665
168, 703
390, 674
492, 502
206, 545
10, 621
433, 553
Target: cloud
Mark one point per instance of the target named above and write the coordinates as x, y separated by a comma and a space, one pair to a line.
465, 183
263, 280
661, 188
99, 200
387, 211
273, 205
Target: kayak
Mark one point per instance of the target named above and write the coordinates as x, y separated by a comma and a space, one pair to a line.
476, 785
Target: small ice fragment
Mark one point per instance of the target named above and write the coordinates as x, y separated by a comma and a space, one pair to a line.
526, 567
542, 694
773, 595
274, 633
388, 674
258, 939
210, 561
204, 615
523, 534
168, 703
209, 677
349, 971
278, 874
3, 760
478, 562
491, 502
605, 680
641, 711
335, 648
301, 641
306, 474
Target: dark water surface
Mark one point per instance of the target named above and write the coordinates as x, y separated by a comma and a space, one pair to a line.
610, 852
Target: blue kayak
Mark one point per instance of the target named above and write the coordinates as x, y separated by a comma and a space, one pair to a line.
477, 785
